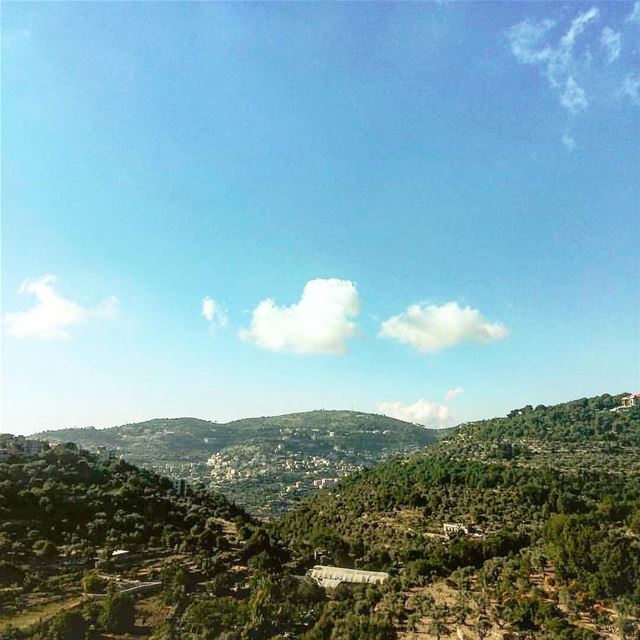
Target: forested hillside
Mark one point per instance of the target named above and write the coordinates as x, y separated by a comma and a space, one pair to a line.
265, 463
537, 545
549, 499
93, 549
579, 434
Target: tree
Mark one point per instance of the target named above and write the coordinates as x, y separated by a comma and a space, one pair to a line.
45, 549
175, 579
67, 625
10, 573
118, 613
93, 583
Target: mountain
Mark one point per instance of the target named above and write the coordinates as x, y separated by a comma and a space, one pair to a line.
266, 463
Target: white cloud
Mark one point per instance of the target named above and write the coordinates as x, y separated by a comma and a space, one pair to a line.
578, 25
631, 88
52, 314
423, 412
568, 142
431, 328
525, 38
634, 16
574, 98
612, 43
319, 323
453, 393
213, 313
529, 45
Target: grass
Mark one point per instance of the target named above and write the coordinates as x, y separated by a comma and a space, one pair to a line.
35, 614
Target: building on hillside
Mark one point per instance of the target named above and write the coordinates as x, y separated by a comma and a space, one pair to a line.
35, 447
453, 528
181, 487
122, 557
324, 483
20, 446
628, 402
105, 454
329, 577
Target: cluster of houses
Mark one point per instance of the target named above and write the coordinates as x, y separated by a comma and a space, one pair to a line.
24, 447
20, 446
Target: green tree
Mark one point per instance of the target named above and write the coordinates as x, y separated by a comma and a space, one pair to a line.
45, 550
118, 613
92, 583
67, 625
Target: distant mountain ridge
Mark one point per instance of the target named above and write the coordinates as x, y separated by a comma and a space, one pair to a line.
266, 462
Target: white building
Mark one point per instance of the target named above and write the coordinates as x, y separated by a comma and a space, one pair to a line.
327, 576
451, 528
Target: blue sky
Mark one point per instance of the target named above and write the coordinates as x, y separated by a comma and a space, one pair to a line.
457, 182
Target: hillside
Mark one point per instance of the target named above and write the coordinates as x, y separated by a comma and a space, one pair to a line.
64, 512
266, 463
547, 504
538, 545
103, 550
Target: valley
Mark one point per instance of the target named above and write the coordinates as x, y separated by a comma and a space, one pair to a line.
263, 464
523, 527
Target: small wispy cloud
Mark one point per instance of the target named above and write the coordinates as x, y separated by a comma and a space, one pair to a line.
574, 99
578, 25
53, 314
320, 322
453, 393
634, 16
530, 45
611, 42
213, 313
432, 328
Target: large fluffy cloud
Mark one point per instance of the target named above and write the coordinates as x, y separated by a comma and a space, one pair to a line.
422, 411
321, 322
431, 328
52, 314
